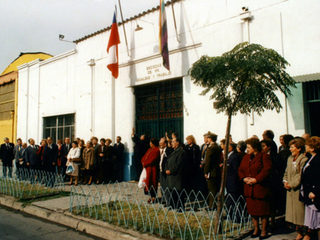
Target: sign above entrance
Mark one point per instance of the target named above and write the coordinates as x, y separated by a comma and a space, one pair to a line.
153, 72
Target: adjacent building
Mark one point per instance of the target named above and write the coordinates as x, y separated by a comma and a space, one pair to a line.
74, 95
9, 94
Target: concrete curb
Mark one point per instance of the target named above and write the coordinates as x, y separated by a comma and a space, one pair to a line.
93, 227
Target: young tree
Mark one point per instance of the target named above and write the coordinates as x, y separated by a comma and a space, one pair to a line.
243, 80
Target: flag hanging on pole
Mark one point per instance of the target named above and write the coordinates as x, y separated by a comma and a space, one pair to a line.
112, 49
163, 35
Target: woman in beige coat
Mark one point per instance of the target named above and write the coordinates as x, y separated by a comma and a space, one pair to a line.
291, 180
88, 157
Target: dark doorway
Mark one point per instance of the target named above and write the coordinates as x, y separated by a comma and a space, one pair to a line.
314, 115
312, 97
159, 108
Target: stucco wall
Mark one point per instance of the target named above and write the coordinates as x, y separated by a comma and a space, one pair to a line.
63, 84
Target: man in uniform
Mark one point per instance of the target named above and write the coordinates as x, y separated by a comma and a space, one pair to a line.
211, 168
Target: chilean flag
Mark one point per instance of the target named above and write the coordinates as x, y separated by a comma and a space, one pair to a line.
112, 49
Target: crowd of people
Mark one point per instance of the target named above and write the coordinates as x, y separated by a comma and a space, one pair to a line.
90, 161
274, 181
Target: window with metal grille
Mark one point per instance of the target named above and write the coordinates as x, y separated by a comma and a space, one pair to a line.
159, 100
59, 127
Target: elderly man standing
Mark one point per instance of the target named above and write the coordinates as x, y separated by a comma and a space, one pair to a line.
211, 167
175, 170
165, 151
7, 157
16, 152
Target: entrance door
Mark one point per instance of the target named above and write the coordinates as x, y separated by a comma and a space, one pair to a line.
159, 108
312, 95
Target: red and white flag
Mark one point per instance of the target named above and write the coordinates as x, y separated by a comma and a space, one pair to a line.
112, 49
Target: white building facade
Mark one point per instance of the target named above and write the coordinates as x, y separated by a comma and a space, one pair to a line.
73, 94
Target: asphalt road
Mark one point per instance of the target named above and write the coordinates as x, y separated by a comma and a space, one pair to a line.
15, 225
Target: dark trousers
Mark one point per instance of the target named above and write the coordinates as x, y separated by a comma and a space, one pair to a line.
212, 191
137, 161
7, 167
50, 171
177, 199
107, 171
20, 170
165, 192
117, 173
32, 173
235, 206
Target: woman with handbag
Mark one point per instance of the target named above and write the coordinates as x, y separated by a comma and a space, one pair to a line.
74, 159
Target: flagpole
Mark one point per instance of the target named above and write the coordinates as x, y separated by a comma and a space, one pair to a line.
124, 30
174, 20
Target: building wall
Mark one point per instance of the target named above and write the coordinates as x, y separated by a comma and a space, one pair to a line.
7, 107
79, 82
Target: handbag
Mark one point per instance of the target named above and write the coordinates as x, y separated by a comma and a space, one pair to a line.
142, 179
77, 160
70, 168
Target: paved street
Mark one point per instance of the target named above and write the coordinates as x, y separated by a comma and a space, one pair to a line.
17, 225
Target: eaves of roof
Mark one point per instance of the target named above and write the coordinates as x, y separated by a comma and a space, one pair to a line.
125, 21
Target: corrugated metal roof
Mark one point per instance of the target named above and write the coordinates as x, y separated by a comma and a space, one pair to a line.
307, 77
125, 21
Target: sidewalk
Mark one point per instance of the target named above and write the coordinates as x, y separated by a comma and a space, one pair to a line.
57, 210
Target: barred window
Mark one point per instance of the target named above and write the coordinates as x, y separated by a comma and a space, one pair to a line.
59, 127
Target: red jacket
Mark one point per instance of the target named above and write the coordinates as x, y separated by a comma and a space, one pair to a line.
259, 168
150, 161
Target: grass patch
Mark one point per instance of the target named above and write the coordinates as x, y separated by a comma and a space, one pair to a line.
155, 219
24, 190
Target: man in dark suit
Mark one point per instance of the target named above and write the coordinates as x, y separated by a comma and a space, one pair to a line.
211, 168
50, 156
175, 170
16, 151
31, 154
140, 148
118, 150
64, 153
165, 152
7, 157
31, 158
22, 161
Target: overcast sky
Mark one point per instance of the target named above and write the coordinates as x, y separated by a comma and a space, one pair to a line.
34, 25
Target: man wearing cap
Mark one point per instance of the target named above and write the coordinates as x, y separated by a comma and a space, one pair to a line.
211, 167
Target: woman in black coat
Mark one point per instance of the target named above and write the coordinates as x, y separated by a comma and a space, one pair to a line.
310, 187
193, 162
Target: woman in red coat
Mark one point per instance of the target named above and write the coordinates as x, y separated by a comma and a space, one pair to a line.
150, 162
254, 170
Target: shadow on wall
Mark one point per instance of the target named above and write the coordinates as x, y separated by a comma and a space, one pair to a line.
295, 104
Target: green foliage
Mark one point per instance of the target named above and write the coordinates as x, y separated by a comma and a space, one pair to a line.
244, 79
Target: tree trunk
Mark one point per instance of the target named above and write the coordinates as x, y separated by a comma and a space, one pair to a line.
221, 196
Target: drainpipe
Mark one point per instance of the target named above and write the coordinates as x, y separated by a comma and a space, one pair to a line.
92, 63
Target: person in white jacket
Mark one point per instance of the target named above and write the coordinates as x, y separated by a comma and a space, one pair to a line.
73, 158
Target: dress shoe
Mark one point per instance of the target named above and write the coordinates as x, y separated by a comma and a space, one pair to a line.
256, 235
264, 237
